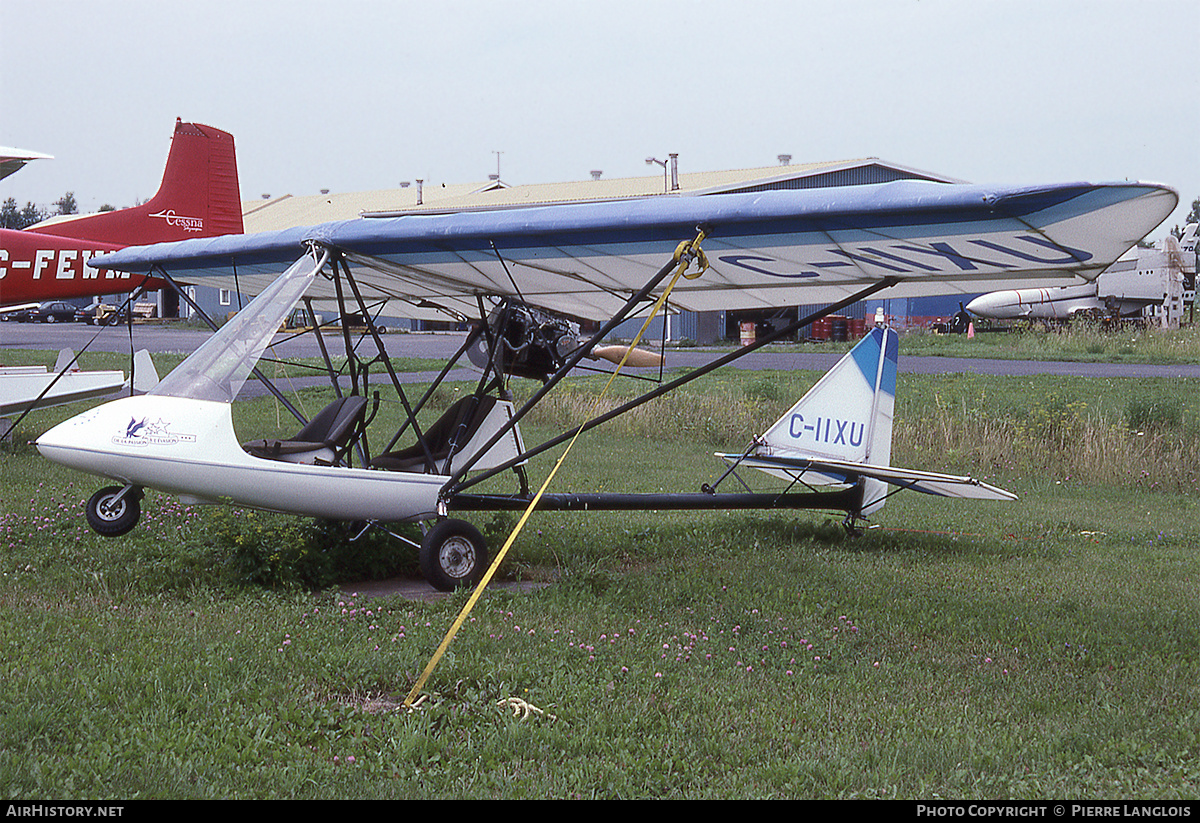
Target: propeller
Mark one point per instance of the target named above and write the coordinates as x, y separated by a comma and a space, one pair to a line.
534, 343
637, 357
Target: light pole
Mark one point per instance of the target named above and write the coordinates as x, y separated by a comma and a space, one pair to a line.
650, 161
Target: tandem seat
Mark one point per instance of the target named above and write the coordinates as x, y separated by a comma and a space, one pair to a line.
455, 428
322, 441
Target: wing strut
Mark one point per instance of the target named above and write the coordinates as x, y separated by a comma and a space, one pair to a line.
459, 482
686, 253
408, 409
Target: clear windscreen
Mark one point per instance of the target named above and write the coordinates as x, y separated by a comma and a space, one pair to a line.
218, 369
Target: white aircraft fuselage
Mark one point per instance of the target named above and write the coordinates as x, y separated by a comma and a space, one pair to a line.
1147, 277
1060, 303
188, 447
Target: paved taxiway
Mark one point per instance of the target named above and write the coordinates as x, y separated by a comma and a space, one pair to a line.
441, 346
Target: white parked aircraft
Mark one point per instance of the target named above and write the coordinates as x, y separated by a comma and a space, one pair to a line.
1150, 277
526, 275
25, 388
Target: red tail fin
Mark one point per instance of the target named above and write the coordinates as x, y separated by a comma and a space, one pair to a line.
198, 197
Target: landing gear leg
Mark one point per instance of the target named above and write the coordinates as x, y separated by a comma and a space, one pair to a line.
850, 524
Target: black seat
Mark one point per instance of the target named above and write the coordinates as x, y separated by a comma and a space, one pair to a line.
322, 438
455, 427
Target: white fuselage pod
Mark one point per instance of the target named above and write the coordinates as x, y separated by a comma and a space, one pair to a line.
1058, 303
188, 447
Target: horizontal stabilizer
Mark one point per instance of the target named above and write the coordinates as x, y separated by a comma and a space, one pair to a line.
940, 485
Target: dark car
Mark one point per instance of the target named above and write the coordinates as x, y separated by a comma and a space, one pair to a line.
88, 313
15, 316
52, 312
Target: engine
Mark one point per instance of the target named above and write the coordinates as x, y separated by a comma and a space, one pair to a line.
531, 342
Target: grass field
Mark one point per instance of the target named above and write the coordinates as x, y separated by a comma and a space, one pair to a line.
1079, 343
1047, 648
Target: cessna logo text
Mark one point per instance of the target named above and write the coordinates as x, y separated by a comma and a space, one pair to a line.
185, 223
145, 433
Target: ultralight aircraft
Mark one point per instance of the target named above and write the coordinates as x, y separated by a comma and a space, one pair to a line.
527, 277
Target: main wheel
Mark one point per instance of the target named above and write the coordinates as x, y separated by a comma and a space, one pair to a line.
453, 554
112, 514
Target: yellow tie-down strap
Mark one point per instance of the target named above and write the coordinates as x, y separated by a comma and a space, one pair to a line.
686, 253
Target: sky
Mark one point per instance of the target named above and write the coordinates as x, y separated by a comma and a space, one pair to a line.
352, 95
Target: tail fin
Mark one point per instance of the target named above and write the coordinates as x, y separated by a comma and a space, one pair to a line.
847, 415
840, 434
65, 360
145, 375
198, 197
1188, 239
1188, 248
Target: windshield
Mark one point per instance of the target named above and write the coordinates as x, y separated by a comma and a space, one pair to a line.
217, 370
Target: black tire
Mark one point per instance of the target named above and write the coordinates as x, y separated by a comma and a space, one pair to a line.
111, 517
453, 555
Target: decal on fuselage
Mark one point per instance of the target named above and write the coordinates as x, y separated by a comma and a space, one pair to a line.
145, 433
57, 264
185, 223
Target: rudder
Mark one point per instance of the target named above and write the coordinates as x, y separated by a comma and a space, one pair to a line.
847, 415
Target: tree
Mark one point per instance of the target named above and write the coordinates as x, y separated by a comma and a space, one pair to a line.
66, 204
9, 215
13, 218
1192, 217
32, 214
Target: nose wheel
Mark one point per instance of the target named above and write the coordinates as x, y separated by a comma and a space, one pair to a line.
453, 555
114, 510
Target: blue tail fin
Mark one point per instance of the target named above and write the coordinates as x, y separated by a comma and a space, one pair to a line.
847, 415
